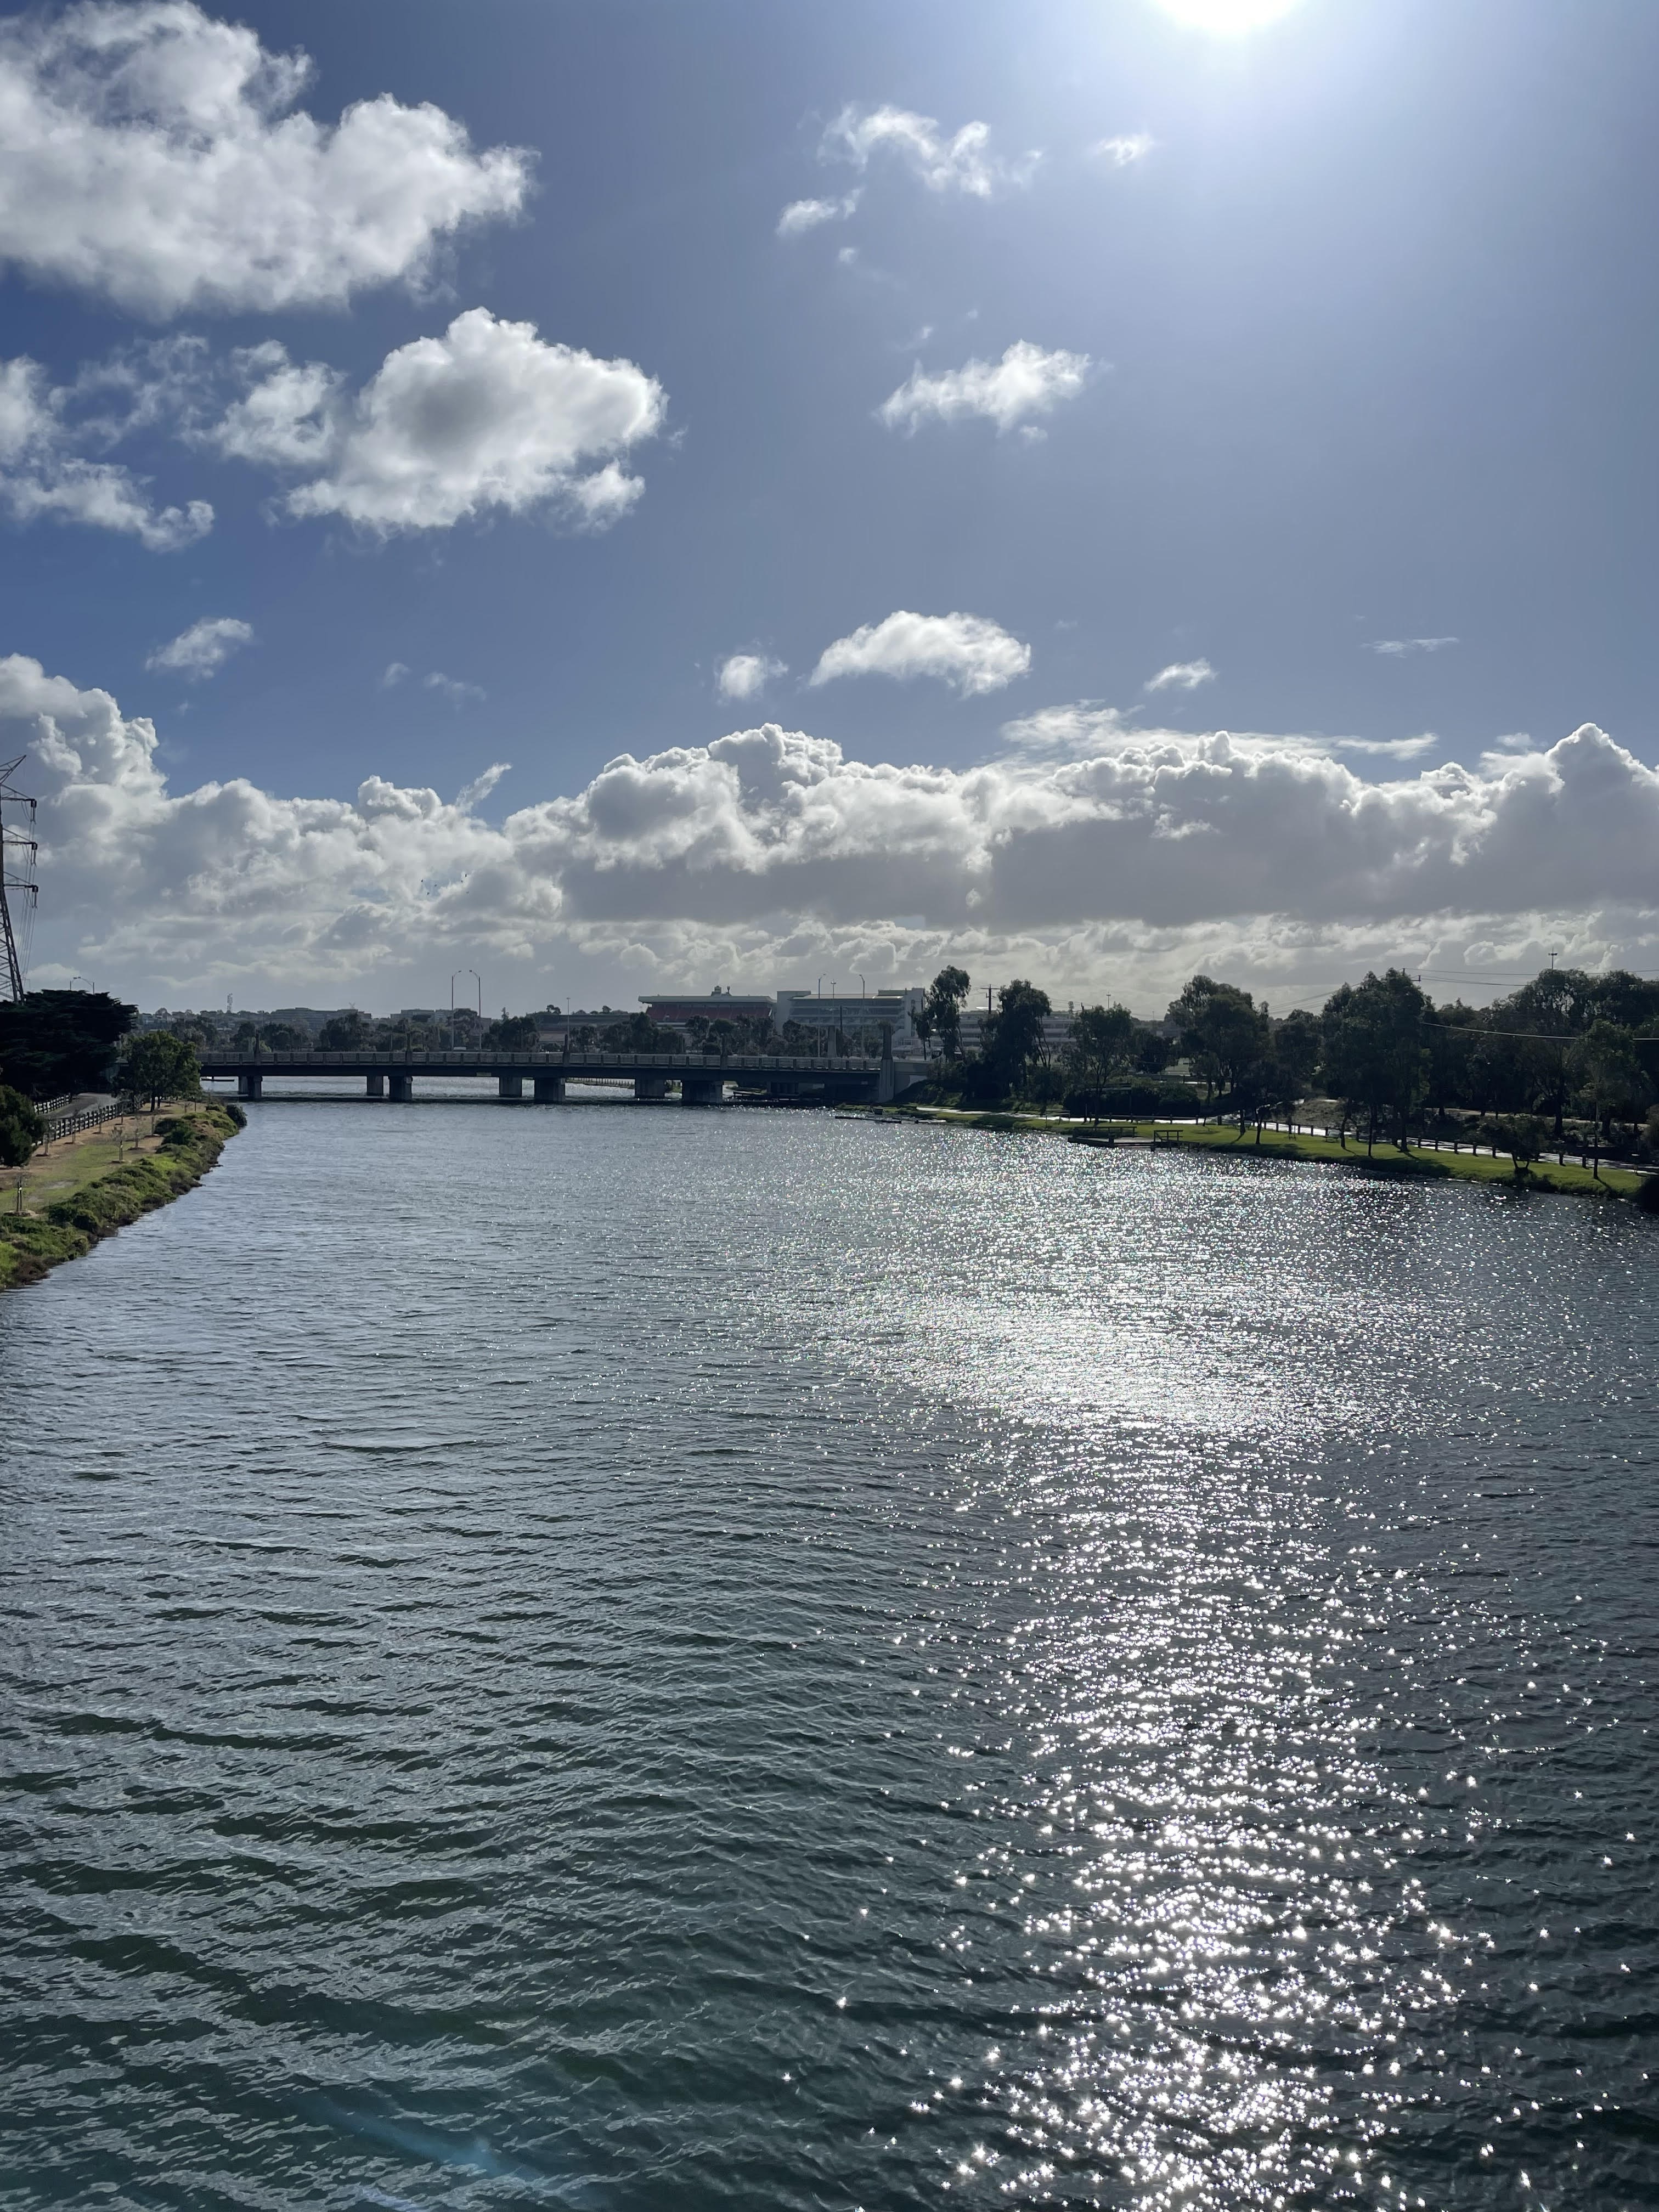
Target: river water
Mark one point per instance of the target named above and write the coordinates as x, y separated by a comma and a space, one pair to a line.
630, 1657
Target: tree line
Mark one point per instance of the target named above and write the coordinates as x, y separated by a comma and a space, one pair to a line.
1391, 1061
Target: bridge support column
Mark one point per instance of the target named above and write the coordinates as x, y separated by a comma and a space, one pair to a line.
549, 1090
701, 1090
510, 1087
376, 1087
251, 1083
402, 1088
650, 1087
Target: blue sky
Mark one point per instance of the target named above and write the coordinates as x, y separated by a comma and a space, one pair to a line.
1366, 299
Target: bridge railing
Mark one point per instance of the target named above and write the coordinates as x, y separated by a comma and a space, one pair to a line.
490, 1063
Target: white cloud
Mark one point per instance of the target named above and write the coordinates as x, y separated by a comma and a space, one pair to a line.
154, 157
1153, 853
395, 673
1120, 153
1396, 648
802, 215
201, 650
42, 474
1026, 381
453, 688
1391, 748
746, 675
486, 416
960, 163
1181, 676
973, 654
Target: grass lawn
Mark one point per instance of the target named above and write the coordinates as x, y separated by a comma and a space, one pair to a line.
69, 1165
1275, 1145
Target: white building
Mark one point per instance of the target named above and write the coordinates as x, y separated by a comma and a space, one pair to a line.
856, 1017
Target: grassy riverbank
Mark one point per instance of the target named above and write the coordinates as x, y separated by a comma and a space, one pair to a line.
1276, 1144
102, 1197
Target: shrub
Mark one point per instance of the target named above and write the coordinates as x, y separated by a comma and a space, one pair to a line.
1647, 1194
21, 1127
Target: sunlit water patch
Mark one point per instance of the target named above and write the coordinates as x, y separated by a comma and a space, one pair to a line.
620, 1657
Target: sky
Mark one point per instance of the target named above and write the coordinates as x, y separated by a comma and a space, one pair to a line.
644, 496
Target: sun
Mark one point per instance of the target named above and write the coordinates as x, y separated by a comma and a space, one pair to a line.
1227, 16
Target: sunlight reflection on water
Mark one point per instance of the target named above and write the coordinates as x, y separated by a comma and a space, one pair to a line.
606, 1657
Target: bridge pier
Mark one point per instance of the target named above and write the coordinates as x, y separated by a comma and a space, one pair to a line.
701, 1090
549, 1090
650, 1087
403, 1089
376, 1086
251, 1083
510, 1087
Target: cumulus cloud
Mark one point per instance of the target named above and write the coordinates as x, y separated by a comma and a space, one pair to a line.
962, 163
1026, 381
1397, 648
1181, 676
201, 650
1120, 153
802, 215
1152, 853
489, 416
967, 651
746, 675
42, 473
154, 157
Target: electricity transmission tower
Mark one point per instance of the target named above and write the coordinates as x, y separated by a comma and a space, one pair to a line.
17, 854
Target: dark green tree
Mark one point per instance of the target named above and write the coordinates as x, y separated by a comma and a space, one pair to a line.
513, 1033
54, 1041
1102, 1045
1226, 1035
21, 1127
1013, 1036
945, 994
156, 1065
1375, 1049
349, 1031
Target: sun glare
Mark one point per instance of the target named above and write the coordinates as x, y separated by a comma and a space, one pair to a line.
1227, 16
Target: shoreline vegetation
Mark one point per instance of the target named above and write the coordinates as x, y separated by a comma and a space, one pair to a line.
1386, 1160
182, 1148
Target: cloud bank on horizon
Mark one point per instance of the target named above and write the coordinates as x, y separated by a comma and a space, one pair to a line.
769, 847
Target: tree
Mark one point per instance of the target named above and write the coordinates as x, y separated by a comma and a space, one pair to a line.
1226, 1036
1102, 1045
945, 994
1613, 1074
158, 1066
21, 1127
637, 1033
1013, 1036
347, 1032
512, 1033
1375, 1049
53, 1041
922, 1022
282, 1037
1153, 1050
1293, 1056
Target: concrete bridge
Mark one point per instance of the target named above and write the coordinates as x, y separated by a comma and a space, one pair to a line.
702, 1077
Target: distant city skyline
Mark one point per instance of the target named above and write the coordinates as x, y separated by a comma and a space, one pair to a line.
621, 500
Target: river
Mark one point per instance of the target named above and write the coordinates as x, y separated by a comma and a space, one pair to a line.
620, 1657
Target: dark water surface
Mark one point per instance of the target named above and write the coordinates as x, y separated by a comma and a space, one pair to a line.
622, 1658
